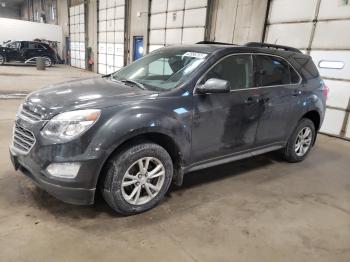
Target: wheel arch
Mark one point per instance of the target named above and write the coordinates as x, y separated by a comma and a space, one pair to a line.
4, 55
315, 117
161, 139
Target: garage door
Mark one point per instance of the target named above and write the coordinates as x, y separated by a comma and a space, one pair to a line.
176, 22
77, 36
314, 28
111, 25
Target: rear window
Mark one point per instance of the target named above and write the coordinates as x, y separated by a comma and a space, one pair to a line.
33, 45
305, 66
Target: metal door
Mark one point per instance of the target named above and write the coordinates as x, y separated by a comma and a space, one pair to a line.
137, 47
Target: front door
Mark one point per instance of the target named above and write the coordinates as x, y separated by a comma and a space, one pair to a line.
13, 53
280, 95
225, 124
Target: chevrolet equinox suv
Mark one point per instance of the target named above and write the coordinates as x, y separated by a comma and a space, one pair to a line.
178, 109
27, 52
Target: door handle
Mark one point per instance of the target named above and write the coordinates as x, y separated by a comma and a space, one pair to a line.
249, 100
266, 100
296, 93
252, 99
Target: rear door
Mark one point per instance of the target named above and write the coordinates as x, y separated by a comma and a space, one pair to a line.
33, 49
280, 95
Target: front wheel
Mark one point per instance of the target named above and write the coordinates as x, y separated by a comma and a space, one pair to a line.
301, 141
137, 178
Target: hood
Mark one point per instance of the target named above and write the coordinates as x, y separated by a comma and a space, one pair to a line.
86, 93
4, 48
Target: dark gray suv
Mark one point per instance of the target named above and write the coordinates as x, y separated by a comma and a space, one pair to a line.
176, 110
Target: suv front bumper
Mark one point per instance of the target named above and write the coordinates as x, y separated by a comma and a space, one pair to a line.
61, 190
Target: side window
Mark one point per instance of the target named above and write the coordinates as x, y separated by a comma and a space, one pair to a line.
14, 45
236, 69
272, 71
32, 45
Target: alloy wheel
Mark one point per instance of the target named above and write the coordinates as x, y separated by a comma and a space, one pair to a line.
48, 61
303, 141
143, 180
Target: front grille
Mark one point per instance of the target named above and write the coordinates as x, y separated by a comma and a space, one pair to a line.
30, 114
23, 139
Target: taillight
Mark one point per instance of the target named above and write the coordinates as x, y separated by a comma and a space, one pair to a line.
325, 90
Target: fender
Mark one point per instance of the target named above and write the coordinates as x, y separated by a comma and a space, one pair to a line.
3, 52
132, 121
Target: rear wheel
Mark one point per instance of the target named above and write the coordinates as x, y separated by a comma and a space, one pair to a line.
2, 59
137, 178
301, 141
48, 61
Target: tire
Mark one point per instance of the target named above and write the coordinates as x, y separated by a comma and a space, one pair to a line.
299, 145
121, 191
2, 59
48, 61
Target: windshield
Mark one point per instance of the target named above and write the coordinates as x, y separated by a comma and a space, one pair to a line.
14, 45
162, 70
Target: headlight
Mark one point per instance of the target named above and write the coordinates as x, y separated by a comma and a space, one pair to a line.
68, 125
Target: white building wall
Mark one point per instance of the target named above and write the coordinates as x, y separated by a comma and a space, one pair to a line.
13, 29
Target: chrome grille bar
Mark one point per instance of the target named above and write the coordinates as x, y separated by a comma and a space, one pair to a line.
30, 114
23, 139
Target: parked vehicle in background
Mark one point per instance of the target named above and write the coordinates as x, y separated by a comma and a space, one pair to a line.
176, 110
26, 52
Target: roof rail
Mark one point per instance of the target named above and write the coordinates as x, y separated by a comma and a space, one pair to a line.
266, 45
213, 43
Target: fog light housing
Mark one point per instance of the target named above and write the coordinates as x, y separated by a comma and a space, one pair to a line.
63, 170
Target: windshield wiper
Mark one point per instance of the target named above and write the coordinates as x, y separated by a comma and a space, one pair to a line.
126, 81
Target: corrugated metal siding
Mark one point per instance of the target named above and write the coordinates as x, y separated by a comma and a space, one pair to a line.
321, 29
237, 21
111, 39
77, 36
176, 22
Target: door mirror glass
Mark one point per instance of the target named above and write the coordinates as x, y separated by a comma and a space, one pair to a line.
214, 85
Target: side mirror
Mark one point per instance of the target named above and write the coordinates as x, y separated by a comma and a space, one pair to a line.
213, 86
